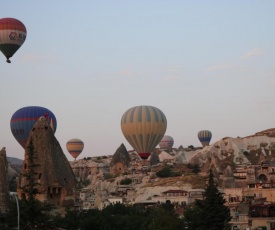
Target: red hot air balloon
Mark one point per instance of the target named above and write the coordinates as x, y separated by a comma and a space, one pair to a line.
12, 35
75, 147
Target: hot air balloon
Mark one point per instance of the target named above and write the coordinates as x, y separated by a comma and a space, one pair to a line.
143, 127
204, 137
23, 120
75, 147
166, 142
12, 35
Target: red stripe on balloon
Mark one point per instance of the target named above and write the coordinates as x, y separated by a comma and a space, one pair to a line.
12, 24
144, 155
25, 119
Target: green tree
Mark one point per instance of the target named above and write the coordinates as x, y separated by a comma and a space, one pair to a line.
126, 181
196, 169
121, 217
165, 172
217, 215
193, 218
29, 190
162, 218
210, 213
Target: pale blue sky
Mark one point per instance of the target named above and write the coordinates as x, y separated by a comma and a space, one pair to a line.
205, 64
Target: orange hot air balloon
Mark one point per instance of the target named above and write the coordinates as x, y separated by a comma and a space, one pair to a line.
75, 147
143, 127
13, 34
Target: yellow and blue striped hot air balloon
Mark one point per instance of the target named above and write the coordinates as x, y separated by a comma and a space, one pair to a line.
204, 137
143, 127
75, 147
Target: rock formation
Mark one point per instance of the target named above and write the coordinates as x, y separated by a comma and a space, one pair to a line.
91, 169
228, 179
4, 191
52, 169
180, 156
230, 153
120, 161
154, 159
247, 150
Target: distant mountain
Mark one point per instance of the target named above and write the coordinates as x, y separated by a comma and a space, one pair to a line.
14, 169
15, 161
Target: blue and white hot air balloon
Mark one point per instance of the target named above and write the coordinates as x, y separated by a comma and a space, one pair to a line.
23, 120
204, 137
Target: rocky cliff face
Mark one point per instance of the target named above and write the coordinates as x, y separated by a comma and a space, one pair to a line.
229, 151
224, 157
120, 161
154, 159
53, 172
4, 190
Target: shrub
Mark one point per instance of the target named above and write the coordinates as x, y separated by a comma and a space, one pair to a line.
165, 172
126, 181
196, 169
108, 176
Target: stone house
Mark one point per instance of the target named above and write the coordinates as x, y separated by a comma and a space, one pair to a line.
174, 196
89, 203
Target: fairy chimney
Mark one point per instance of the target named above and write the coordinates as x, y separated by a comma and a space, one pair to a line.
4, 190
120, 161
53, 172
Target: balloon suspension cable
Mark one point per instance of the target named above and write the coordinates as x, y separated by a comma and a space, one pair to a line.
8, 61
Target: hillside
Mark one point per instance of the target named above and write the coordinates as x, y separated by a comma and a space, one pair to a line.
194, 181
224, 155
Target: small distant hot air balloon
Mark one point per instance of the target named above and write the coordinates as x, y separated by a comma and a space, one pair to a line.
75, 147
204, 137
166, 142
23, 120
143, 127
12, 35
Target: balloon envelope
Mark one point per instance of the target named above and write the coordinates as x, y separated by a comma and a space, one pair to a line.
204, 137
23, 120
166, 142
75, 147
12, 35
143, 127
